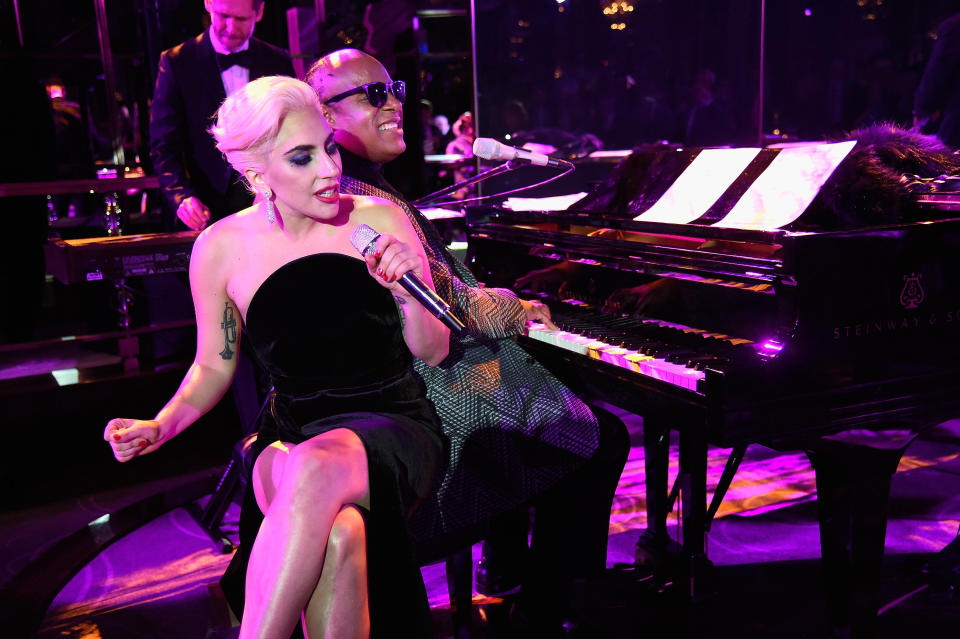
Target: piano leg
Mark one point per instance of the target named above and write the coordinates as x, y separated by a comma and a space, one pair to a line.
853, 489
693, 503
653, 545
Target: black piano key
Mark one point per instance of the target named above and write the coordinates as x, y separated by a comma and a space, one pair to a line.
681, 356
701, 363
653, 348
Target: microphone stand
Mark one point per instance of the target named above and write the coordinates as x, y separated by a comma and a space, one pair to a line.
479, 177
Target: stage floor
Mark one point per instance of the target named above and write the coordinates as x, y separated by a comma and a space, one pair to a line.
161, 580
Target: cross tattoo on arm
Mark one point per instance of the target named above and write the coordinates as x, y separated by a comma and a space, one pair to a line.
229, 326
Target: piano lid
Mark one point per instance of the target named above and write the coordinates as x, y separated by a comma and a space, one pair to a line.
762, 207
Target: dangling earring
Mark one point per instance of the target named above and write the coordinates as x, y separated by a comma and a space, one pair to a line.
271, 212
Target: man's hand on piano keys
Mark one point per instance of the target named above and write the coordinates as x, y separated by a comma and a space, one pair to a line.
547, 280
638, 299
538, 312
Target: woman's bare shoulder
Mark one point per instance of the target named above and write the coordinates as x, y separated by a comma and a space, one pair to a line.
382, 215
224, 239
362, 202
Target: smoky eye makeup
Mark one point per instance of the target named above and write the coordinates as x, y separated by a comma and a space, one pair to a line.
331, 146
300, 155
300, 159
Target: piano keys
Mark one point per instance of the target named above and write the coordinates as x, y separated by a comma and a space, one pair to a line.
665, 361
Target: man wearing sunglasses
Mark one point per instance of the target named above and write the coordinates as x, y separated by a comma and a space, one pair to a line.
376, 93
518, 437
500, 408
368, 116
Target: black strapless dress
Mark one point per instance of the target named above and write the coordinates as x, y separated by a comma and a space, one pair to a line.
331, 339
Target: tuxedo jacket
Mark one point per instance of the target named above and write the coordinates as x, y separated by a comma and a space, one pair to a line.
188, 93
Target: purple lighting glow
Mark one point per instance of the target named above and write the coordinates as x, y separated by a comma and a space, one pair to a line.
807, 12
772, 346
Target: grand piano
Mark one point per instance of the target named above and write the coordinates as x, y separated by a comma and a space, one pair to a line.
744, 296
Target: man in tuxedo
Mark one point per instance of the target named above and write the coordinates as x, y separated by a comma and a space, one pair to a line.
193, 79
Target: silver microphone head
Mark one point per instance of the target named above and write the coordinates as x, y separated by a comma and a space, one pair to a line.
490, 149
364, 239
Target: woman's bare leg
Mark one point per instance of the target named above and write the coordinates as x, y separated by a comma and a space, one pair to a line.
306, 489
341, 611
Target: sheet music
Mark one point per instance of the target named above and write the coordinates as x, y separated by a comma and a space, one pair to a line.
552, 203
435, 213
787, 187
699, 186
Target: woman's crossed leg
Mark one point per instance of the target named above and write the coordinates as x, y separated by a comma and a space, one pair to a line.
312, 536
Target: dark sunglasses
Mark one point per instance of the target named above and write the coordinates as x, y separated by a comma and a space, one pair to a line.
376, 92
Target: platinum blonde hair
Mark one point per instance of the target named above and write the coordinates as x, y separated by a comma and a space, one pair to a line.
248, 122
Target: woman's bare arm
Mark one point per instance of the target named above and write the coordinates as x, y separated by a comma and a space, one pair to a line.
426, 336
214, 364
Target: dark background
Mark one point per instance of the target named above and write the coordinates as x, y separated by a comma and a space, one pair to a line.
830, 66
553, 67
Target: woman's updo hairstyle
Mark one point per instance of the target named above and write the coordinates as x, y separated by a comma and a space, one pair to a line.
247, 123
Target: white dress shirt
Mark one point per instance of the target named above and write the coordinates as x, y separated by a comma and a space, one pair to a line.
235, 77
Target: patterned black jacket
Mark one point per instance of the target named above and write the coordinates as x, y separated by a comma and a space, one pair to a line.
514, 429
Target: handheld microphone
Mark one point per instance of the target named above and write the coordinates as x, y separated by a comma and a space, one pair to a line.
490, 149
364, 239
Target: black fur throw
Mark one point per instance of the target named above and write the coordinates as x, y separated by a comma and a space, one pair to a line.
877, 183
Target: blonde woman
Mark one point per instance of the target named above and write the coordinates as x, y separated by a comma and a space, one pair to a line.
351, 444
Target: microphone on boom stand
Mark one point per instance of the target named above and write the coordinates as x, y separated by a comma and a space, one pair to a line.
490, 149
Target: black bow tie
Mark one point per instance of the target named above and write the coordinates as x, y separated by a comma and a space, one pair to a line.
242, 58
